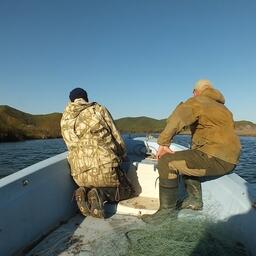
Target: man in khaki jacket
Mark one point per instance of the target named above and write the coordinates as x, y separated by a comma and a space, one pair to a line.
215, 146
95, 152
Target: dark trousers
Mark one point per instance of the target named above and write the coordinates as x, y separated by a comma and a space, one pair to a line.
192, 163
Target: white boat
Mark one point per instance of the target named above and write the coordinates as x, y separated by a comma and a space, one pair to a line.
38, 215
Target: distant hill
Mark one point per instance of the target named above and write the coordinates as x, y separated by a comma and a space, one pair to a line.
245, 128
16, 125
150, 125
140, 124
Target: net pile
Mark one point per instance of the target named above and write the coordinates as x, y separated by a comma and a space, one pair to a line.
176, 237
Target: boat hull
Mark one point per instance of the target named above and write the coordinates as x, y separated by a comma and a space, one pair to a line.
33, 202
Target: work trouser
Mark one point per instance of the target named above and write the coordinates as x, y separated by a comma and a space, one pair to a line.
191, 163
103, 176
117, 193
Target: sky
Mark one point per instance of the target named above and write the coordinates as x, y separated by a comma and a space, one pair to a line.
136, 57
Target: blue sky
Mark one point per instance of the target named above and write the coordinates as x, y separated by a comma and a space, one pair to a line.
138, 58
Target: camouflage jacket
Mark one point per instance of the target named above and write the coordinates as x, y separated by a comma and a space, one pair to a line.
211, 124
91, 137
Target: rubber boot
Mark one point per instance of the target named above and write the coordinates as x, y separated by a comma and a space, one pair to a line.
114, 195
168, 193
194, 199
109, 194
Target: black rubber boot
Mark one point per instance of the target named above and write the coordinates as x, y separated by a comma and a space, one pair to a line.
109, 194
194, 199
168, 193
114, 195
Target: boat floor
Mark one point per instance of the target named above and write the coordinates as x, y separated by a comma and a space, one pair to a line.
86, 236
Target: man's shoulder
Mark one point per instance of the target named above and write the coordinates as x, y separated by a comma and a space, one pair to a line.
99, 107
191, 101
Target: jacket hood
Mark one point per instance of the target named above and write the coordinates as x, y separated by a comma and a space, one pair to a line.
74, 108
214, 94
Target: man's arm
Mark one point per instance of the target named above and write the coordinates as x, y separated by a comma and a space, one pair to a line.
116, 135
182, 116
67, 131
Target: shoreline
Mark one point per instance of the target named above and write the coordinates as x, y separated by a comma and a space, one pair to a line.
240, 134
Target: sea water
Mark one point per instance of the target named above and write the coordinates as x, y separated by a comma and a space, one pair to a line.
15, 156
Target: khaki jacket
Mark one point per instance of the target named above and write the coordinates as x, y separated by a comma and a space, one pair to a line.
211, 124
94, 144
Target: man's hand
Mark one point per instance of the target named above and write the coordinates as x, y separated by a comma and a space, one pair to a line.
162, 150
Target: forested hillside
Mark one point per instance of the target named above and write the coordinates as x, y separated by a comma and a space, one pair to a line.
16, 125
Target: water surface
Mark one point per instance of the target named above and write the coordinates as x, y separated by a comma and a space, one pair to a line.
15, 156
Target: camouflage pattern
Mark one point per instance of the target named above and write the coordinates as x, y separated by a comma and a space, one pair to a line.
212, 126
95, 146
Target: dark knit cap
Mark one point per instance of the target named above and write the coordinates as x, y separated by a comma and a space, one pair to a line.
78, 93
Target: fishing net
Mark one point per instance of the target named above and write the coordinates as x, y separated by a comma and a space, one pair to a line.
187, 235
176, 237
183, 237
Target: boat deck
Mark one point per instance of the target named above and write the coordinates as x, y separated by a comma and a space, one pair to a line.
88, 236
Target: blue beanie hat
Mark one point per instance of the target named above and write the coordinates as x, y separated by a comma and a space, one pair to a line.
78, 93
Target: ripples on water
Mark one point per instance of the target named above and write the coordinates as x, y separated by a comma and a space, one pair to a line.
15, 156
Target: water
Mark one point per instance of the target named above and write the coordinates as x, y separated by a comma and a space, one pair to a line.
15, 156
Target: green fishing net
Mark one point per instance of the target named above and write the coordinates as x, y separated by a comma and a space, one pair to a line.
188, 235
172, 236
183, 237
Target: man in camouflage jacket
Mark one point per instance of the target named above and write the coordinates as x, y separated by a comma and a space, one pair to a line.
95, 151
215, 146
